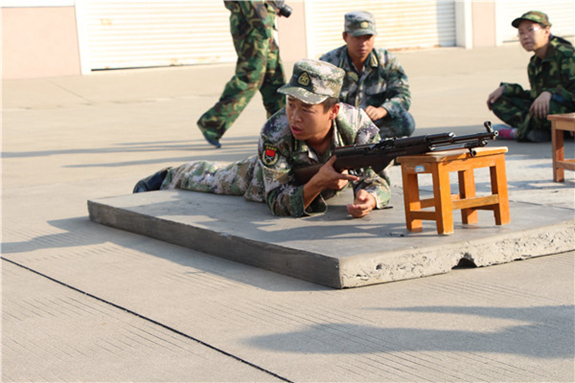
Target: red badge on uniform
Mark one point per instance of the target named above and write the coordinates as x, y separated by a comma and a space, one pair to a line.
269, 155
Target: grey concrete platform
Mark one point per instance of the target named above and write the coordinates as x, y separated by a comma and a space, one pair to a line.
334, 249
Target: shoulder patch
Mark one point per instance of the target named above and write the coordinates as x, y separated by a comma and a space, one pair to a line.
269, 154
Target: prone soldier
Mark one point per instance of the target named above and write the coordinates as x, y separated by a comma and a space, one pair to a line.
304, 133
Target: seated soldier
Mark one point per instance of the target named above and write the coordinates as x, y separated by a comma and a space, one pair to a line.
304, 133
551, 72
374, 80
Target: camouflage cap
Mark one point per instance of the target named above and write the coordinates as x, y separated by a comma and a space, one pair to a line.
313, 81
359, 23
535, 16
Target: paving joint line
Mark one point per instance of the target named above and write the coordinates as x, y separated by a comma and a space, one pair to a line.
219, 350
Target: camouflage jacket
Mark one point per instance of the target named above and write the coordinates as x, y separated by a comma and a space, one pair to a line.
383, 81
555, 74
251, 18
279, 152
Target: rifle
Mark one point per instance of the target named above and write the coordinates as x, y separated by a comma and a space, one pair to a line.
379, 155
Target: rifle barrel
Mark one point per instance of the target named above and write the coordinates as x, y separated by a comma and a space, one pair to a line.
379, 155
418, 140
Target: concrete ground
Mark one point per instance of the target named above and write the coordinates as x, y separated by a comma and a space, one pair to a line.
85, 302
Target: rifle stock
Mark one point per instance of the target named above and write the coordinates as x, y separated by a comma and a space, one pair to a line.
379, 155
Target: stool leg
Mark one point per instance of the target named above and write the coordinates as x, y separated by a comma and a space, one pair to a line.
467, 190
499, 187
442, 197
558, 152
411, 199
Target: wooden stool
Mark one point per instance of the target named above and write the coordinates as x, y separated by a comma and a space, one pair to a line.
559, 123
439, 164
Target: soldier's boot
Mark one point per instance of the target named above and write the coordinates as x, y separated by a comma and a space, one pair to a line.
153, 182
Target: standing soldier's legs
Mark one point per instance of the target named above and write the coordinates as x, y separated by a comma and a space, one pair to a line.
250, 69
273, 80
400, 126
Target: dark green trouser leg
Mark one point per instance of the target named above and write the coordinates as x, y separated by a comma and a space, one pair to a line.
258, 68
514, 111
401, 126
273, 80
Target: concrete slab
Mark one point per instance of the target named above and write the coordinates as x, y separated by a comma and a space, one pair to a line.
333, 249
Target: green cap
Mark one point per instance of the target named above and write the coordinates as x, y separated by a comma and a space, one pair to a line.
359, 23
535, 16
313, 81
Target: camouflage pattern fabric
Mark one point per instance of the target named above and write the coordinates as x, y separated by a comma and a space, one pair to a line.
212, 177
313, 81
258, 67
535, 16
267, 177
359, 23
383, 82
555, 74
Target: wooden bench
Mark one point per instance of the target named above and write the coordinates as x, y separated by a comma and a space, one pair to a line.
560, 123
439, 165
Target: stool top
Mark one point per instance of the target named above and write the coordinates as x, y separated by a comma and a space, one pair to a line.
450, 155
562, 117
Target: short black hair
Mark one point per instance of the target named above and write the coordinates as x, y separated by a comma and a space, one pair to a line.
329, 103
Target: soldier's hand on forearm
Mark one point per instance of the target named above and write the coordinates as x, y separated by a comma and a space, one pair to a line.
329, 178
364, 203
494, 96
541, 105
326, 178
375, 113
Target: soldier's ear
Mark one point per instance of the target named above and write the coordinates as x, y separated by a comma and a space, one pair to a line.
334, 111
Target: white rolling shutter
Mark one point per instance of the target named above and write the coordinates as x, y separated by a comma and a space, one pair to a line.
399, 24
561, 14
130, 34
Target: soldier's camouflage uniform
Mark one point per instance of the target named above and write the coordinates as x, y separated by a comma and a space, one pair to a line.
267, 177
258, 67
382, 83
555, 74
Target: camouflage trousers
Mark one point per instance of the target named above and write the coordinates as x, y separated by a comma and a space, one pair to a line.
240, 178
258, 67
401, 126
514, 111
